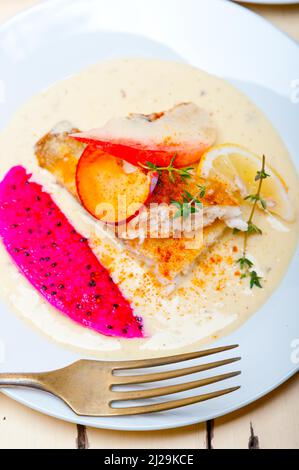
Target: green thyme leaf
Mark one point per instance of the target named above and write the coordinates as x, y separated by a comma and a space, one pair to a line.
245, 262
203, 191
262, 175
252, 228
183, 173
255, 280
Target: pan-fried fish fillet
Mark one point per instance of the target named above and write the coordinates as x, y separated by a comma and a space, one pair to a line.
59, 154
170, 257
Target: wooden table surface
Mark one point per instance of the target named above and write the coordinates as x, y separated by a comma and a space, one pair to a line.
272, 422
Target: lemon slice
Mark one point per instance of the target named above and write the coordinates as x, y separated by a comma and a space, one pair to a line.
238, 167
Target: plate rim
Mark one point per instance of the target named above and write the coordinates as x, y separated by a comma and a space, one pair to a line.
235, 4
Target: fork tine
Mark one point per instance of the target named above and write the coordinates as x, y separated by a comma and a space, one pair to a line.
171, 374
157, 392
169, 405
144, 363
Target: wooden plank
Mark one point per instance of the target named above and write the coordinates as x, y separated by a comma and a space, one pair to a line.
270, 423
191, 437
285, 17
23, 428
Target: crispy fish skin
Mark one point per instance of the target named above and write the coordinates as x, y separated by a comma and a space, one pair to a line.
59, 154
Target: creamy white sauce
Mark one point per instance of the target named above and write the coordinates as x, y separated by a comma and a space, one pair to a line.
212, 299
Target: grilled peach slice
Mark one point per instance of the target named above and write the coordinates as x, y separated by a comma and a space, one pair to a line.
109, 190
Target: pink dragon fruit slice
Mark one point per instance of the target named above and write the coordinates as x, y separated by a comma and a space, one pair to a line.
58, 261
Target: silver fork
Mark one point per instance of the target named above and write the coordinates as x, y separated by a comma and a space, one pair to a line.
87, 386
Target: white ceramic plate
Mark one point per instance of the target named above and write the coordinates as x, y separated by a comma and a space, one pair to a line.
60, 37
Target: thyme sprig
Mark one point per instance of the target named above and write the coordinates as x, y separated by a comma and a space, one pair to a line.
183, 173
246, 265
190, 204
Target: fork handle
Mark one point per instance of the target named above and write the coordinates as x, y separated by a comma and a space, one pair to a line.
23, 380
